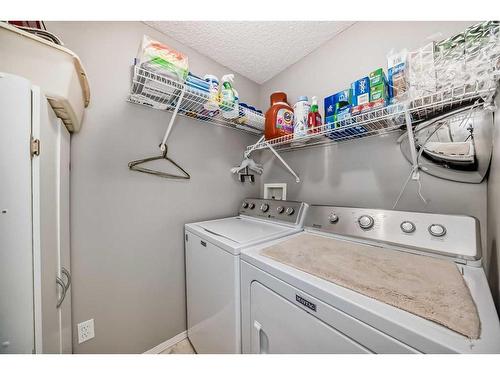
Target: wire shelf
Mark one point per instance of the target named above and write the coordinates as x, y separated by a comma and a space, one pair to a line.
163, 92
386, 119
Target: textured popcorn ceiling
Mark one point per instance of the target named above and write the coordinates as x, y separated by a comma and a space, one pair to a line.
256, 49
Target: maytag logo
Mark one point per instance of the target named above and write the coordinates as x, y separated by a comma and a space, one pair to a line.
317, 225
306, 303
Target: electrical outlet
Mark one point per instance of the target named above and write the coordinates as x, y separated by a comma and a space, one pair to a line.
85, 331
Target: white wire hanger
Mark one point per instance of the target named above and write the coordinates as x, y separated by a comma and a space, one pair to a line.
135, 165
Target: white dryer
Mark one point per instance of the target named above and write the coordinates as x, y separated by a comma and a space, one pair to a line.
213, 268
287, 310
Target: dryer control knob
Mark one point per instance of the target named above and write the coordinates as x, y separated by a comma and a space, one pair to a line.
365, 221
408, 227
280, 209
244, 205
289, 211
333, 218
437, 230
264, 207
251, 206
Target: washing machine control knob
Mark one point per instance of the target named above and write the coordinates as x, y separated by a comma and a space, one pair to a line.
251, 206
437, 230
333, 218
365, 221
244, 205
264, 207
407, 227
280, 209
289, 211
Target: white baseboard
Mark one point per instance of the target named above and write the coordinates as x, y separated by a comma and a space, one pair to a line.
167, 344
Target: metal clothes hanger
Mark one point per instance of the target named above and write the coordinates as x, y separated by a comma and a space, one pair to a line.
134, 165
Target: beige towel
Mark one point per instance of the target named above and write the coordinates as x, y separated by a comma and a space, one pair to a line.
428, 287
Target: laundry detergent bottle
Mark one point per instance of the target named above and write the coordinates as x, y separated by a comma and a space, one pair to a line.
227, 94
314, 117
300, 113
235, 112
279, 117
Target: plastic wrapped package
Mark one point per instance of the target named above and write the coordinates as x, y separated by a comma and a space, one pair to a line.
450, 62
162, 59
470, 58
482, 50
421, 71
476, 66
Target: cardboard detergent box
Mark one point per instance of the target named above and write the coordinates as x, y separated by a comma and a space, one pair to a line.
337, 109
397, 75
360, 92
342, 98
335, 102
337, 120
378, 85
370, 106
329, 105
338, 115
343, 118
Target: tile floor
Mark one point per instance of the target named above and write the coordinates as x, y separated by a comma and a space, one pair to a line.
182, 347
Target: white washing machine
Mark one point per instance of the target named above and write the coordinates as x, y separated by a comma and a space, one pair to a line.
213, 268
286, 310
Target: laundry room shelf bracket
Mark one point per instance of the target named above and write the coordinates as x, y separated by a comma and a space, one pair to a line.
261, 142
163, 145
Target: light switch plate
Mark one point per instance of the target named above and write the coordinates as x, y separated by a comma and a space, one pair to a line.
86, 331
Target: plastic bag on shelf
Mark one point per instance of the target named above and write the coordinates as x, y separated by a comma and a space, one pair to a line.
469, 58
450, 62
421, 71
483, 49
162, 59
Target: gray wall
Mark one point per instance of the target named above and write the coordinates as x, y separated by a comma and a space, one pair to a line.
127, 228
492, 271
371, 172
127, 244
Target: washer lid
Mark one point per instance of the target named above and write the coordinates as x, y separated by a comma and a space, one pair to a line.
242, 230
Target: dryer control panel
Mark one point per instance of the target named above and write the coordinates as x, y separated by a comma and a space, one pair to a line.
276, 210
455, 236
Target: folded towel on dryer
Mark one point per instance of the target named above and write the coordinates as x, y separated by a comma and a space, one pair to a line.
431, 288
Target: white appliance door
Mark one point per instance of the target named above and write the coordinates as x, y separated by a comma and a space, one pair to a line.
242, 230
279, 326
49, 237
16, 258
213, 295
64, 265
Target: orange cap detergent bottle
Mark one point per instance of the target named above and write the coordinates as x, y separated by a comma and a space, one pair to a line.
279, 117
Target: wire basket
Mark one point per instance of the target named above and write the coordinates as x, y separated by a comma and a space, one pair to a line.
163, 92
